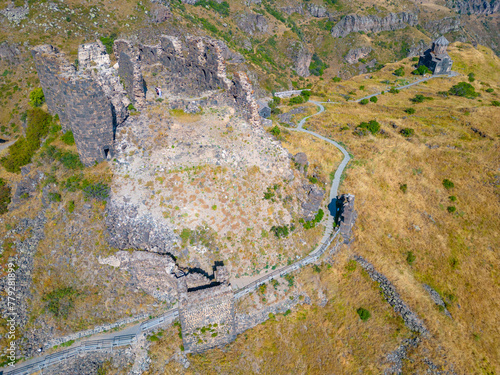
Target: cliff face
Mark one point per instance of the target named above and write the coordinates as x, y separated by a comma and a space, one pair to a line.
301, 56
443, 26
355, 54
252, 23
482, 7
354, 23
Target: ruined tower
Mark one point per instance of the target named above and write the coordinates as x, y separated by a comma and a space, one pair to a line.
436, 58
89, 100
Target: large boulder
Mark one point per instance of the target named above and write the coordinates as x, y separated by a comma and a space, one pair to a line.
252, 23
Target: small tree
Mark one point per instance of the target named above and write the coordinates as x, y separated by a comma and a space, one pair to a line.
37, 98
421, 70
472, 77
364, 102
364, 314
373, 99
448, 184
275, 130
400, 72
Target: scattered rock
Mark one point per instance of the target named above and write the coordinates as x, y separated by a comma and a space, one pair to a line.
355, 54
252, 23
437, 299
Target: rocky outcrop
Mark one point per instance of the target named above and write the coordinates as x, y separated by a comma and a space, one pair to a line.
252, 23
355, 54
15, 14
436, 298
318, 11
313, 197
229, 55
9, 52
354, 23
443, 26
301, 57
289, 10
482, 7
417, 49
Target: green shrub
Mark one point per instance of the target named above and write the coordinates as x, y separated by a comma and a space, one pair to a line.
448, 184
410, 111
372, 126
451, 209
71, 206
363, 102
414, 58
407, 132
420, 98
280, 231
452, 198
275, 130
296, 100
495, 103
313, 180
316, 268
37, 98
394, 90
108, 42
472, 77
54, 197
336, 79
221, 8
317, 66
5, 199
421, 70
68, 138
21, 152
306, 94
70, 160
410, 257
403, 187
463, 89
98, 191
364, 314
374, 99
400, 72
290, 278
60, 301
490, 90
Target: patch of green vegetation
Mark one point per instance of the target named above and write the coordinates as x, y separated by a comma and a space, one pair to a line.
336, 79
99, 191
60, 301
221, 8
364, 101
394, 90
36, 97
5, 196
282, 231
400, 72
55, 197
410, 111
451, 209
407, 132
374, 99
421, 70
448, 184
495, 103
108, 42
410, 257
403, 187
418, 98
69, 159
21, 152
71, 206
364, 314
472, 77
372, 126
290, 279
317, 66
68, 138
463, 89
275, 130
67, 343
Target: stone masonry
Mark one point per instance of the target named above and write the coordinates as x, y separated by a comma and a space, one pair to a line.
207, 314
89, 101
436, 58
92, 98
347, 217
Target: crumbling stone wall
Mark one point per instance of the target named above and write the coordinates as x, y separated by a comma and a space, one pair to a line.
207, 315
187, 69
89, 101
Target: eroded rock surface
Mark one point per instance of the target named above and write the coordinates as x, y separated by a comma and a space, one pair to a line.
354, 23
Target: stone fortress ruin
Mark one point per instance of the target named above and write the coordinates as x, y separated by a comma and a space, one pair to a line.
92, 98
436, 58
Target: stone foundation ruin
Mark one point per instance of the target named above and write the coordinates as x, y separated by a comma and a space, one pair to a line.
206, 312
92, 98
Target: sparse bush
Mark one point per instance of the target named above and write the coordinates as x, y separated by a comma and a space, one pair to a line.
420, 98
472, 77
403, 187
448, 184
336, 79
290, 278
463, 89
363, 102
70, 160
407, 132
297, 100
60, 301
490, 90
374, 99
55, 197
71, 206
364, 314
317, 66
108, 42
452, 198
410, 257
414, 58
372, 126
21, 152
451, 209
37, 98
316, 268
221, 8
410, 111
495, 103
280, 231
394, 90
68, 138
275, 130
421, 70
400, 72
5, 199
98, 191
